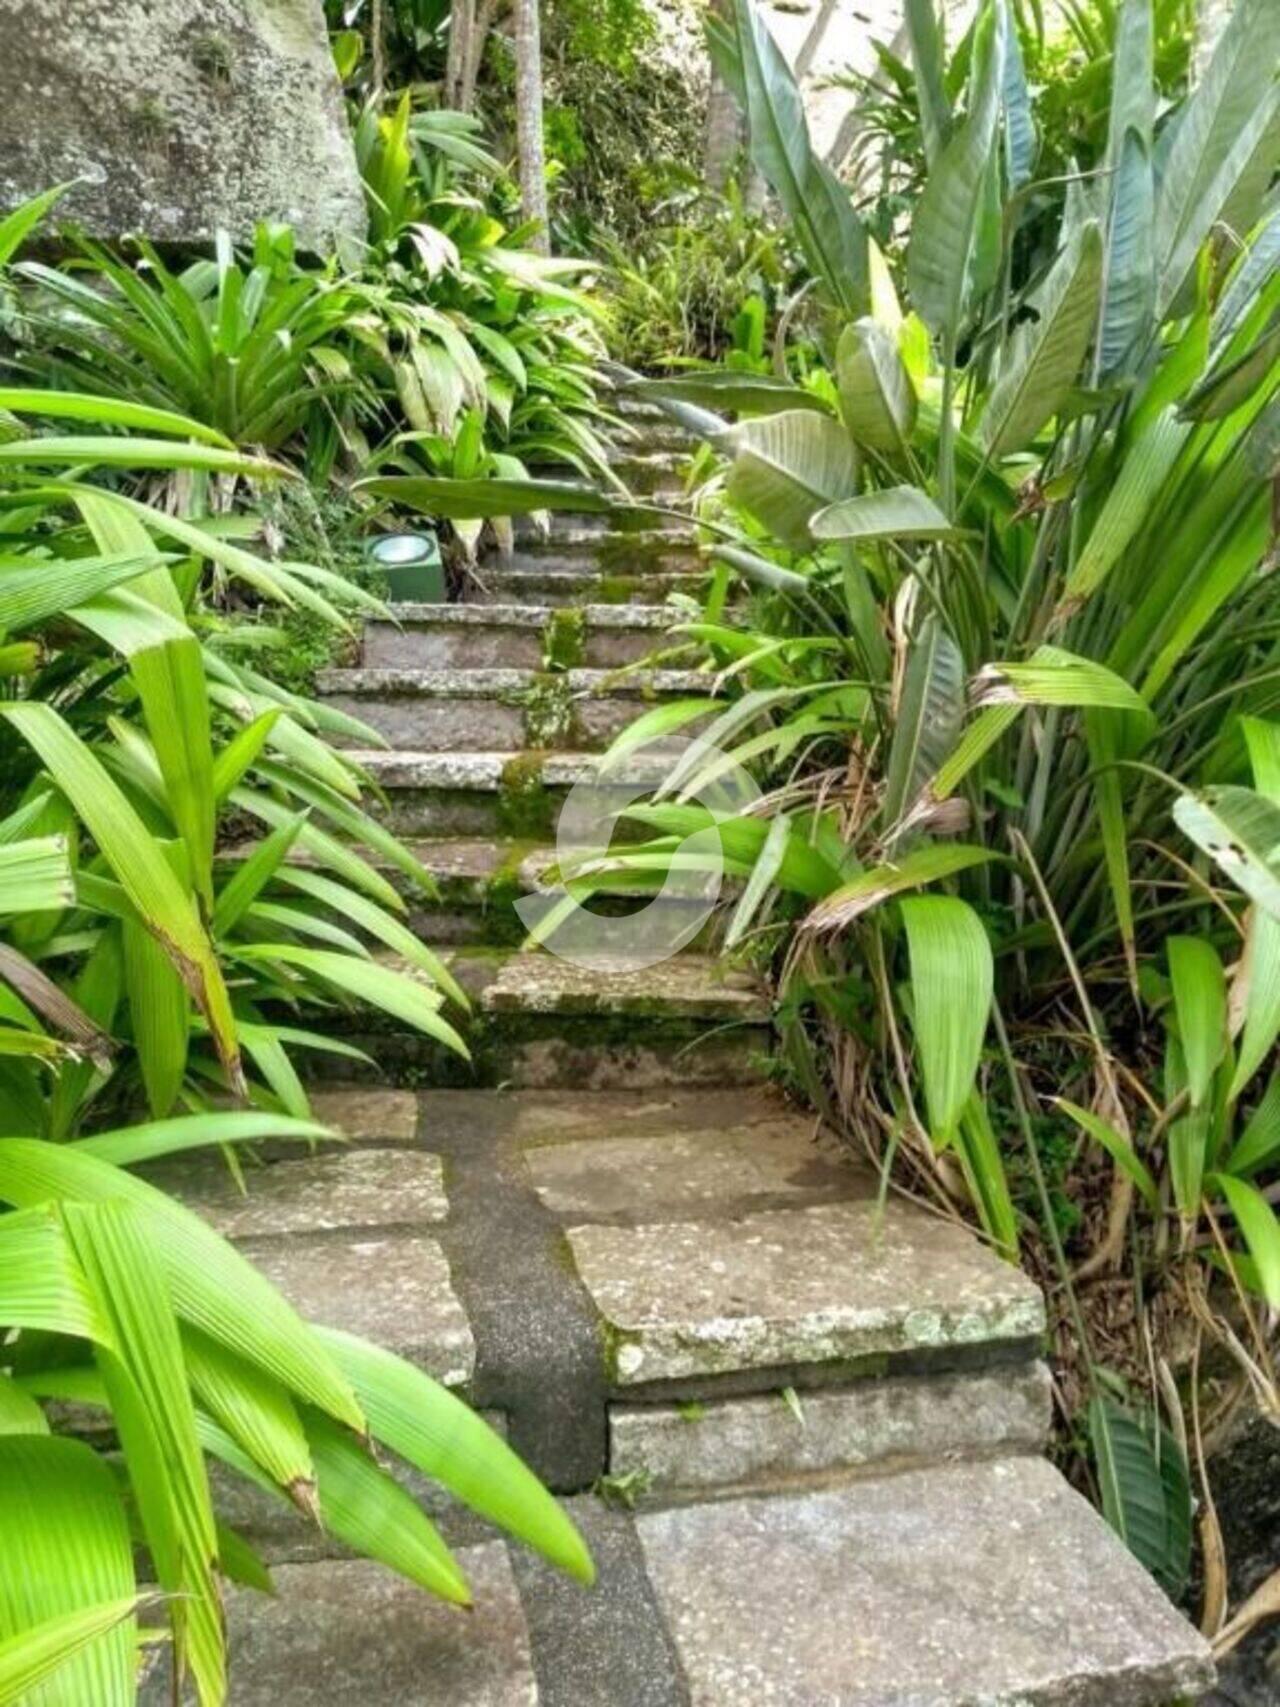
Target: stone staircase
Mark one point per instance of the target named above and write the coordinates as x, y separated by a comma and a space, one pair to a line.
801, 1429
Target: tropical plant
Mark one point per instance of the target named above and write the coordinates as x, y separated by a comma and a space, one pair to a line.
984, 594
144, 960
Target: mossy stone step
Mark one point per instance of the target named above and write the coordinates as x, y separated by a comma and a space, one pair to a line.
461, 710
609, 551
501, 794
499, 584
539, 1021
514, 636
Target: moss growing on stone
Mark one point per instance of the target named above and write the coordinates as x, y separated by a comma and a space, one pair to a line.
524, 806
548, 711
564, 640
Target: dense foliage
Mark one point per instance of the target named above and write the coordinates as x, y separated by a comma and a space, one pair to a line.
190, 883
991, 619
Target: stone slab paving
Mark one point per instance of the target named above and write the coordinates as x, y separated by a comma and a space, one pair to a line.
969, 1585
691, 1166
796, 1286
368, 1112
749, 1441
691, 987
395, 1290
360, 1188
347, 1633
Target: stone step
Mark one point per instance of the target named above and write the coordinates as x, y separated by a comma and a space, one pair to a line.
531, 637
584, 586
650, 473
499, 794
462, 710
608, 550
540, 1021
642, 519
481, 881
965, 1585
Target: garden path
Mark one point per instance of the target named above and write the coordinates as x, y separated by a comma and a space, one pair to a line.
816, 1426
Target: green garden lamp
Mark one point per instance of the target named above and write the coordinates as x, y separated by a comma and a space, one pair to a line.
412, 565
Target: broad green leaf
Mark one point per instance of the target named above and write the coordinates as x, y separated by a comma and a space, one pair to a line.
137, 861
255, 1410
212, 1285
35, 589
476, 499
17, 226
1146, 1490
36, 876
1200, 1002
426, 1425
757, 886
928, 56
1259, 1229
147, 1141
726, 388
160, 1015
1128, 507
788, 466
253, 874
1019, 126
945, 225
759, 570
120, 451
877, 398
30, 1658
171, 685
1218, 130
241, 752
1260, 1140
370, 983
1044, 360
1240, 831
1129, 270
881, 882
818, 207
146, 1383
951, 986
19, 1412
42, 1286
895, 512
1118, 1147
65, 1559
978, 1149
112, 411
929, 717
1055, 677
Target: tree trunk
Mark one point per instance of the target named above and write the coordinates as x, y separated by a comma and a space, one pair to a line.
725, 131
532, 163
461, 25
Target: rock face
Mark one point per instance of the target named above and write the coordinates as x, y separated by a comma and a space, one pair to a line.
179, 116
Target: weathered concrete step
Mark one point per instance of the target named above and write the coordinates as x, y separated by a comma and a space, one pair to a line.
645, 517
481, 882
610, 551
349, 1633
539, 1021
492, 794
650, 473
516, 636
461, 710
582, 586
969, 1585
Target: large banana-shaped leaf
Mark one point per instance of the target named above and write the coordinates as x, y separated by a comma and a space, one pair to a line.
67, 1589
470, 500
945, 229
725, 388
816, 204
930, 713
1044, 360
1228, 120
1130, 269
923, 21
1240, 831
894, 512
788, 466
877, 398
951, 984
